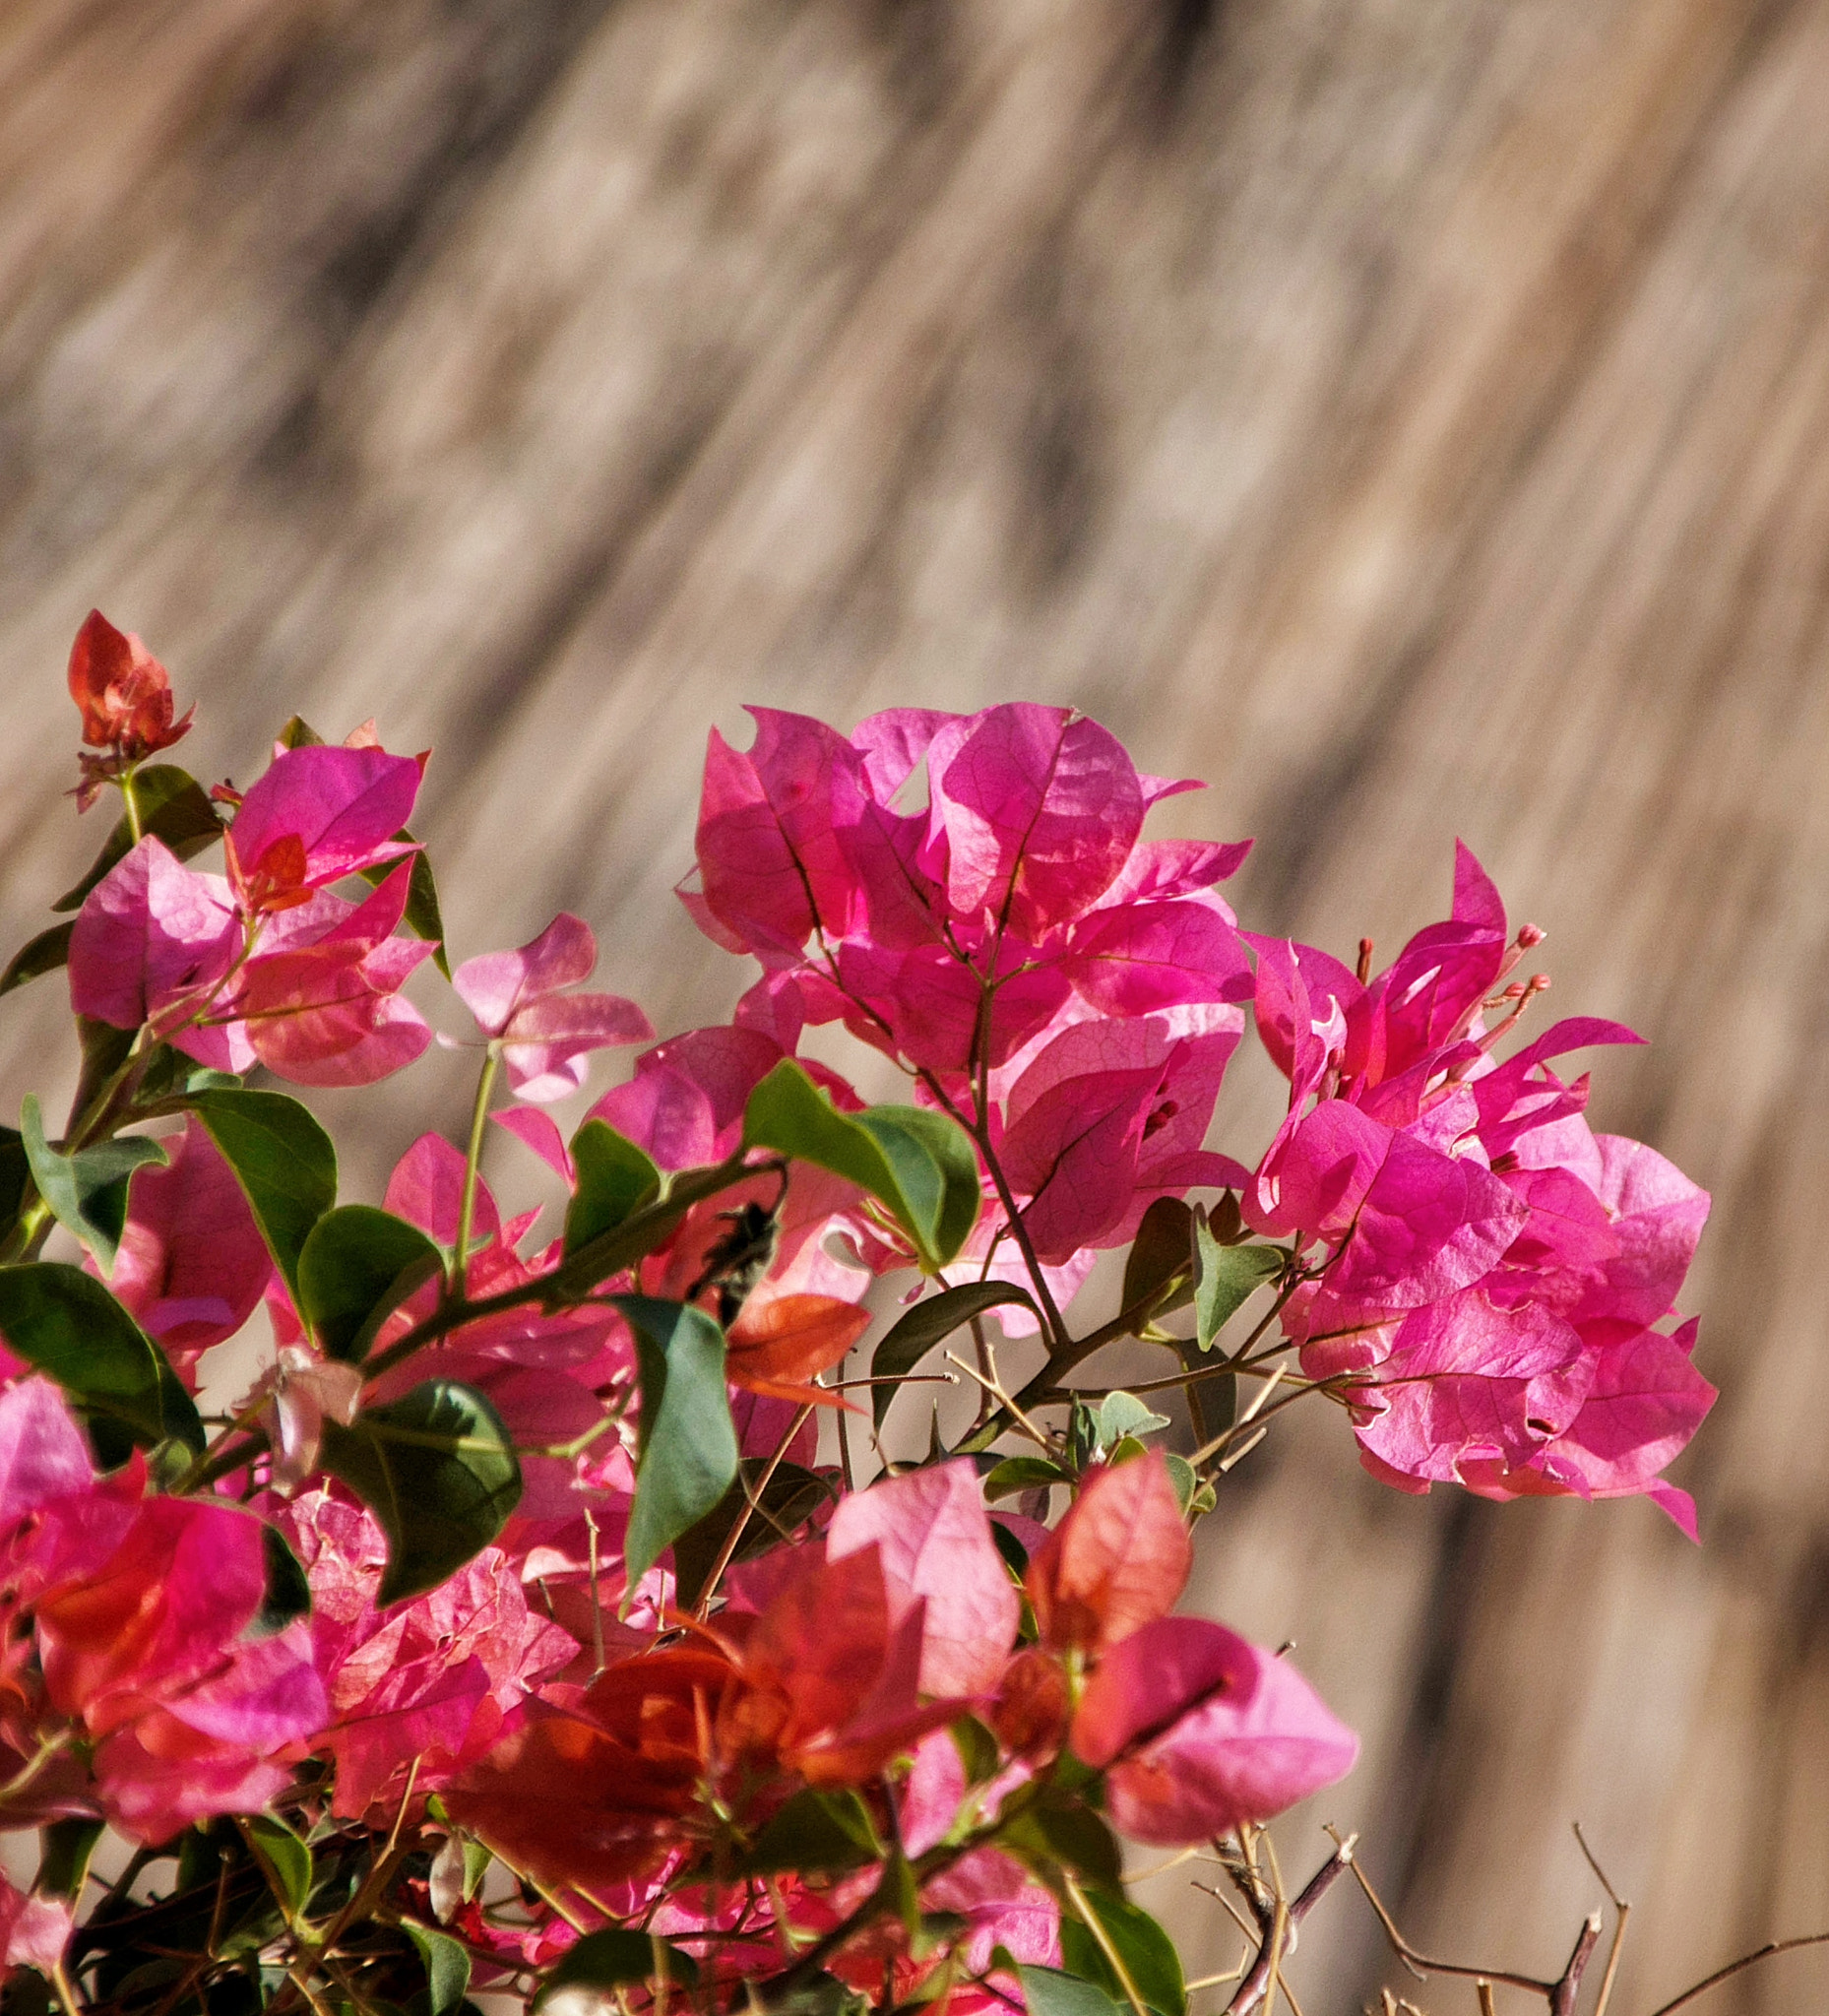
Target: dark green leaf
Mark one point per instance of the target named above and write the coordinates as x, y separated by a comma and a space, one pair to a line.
87, 1190
815, 1831
978, 1749
1024, 1474
14, 1170
1014, 1554
298, 733
1050, 1838
286, 1858
1224, 1278
438, 1471
1211, 1404
1050, 1993
105, 1051
1160, 1262
288, 1595
614, 1958
173, 806
356, 1267
788, 1499
687, 1457
63, 1862
913, 1137
1147, 1952
43, 954
614, 1178
447, 1967
421, 917
823, 1994
65, 1323
932, 1320
920, 1164
284, 1160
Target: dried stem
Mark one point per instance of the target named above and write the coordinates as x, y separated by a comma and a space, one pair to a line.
1768, 1951
1564, 1996
1622, 1912
1423, 1965
1279, 1936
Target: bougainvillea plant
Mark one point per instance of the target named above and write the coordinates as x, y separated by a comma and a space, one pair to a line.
510, 1635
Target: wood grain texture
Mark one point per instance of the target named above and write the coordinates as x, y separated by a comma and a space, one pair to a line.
1406, 414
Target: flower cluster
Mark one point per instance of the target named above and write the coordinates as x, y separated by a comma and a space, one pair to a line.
552, 1612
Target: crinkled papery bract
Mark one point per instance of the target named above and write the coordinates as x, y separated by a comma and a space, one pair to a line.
1498, 1271
124, 696
1021, 910
141, 1609
192, 1265
317, 1000
528, 1001
835, 1669
1197, 1731
436, 1681
316, 815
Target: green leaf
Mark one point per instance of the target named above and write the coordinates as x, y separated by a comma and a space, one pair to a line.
1050, 1993
438, 1471
1147, 1953
173, 806
288, 1595
979, 1749
614, 1178
1010, 1550
63, 1862
1185, 1478
421, 917
815, 1831
356, 1267
288, 1856
447, 1967
14, 1170
1050, 1838
1022, 1474
1123, 1414
614, 1958
1160, 1261
930, 1322
284, 1160
1225, 1278
43, 954
921, 1164
66, 1324
87, 1190
788, 1499
687, 1457
1211, 1404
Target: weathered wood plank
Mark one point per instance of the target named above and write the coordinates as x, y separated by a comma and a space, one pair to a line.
1408, 416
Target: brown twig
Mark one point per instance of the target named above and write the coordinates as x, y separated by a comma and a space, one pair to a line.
1423, 1966
1622, 1912
1279, 1939
1564, 1996
1771, 1948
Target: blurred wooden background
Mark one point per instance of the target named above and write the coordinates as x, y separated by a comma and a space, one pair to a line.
1408, 414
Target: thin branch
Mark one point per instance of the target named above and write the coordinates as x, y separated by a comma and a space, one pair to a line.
1281, 1934
1622, 1912
1768, 1951
1568, 1990
1423, 1966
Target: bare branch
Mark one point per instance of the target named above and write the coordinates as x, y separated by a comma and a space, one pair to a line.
1280, 1939
1766, 1952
